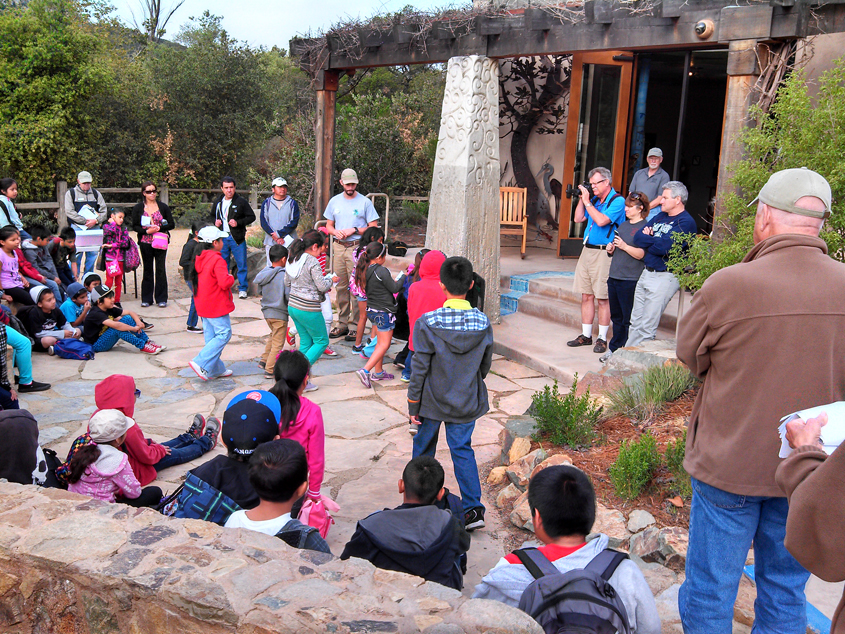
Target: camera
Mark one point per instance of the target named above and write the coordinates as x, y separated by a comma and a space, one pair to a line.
572, 190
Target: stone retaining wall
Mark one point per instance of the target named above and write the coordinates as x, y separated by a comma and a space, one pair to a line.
72, 564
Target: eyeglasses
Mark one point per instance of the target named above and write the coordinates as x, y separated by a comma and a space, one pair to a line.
597, 182
150, 191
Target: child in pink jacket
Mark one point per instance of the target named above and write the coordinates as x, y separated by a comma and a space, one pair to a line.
300, 420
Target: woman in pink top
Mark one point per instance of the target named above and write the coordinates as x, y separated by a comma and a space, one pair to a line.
301, 420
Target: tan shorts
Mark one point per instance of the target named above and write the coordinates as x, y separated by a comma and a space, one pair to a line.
591, 273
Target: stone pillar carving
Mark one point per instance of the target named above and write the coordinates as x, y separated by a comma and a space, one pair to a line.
463, 215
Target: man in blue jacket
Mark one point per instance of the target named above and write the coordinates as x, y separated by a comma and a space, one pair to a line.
657, 285
279, 217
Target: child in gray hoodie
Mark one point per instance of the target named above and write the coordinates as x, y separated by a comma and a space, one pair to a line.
274, 305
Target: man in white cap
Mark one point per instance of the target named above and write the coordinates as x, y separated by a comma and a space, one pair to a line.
85, 209
279, 217
650, 181
765, 336
348, 215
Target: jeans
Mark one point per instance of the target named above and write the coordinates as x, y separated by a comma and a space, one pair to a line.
90, 261
23, 353
66, 275
193, 318
620, 294
184, 448
313, 338
110, 337
406, 371
722, 528
654, 290
153, 284
6, 401
459, 437
217, 331
57, 291
238, 251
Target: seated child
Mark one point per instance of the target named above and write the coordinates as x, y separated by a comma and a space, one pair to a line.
106, 323
89, 281
274, 305
36, 251
45, 323
415, 537
101, 470
563, 509
278, 471
147, 457
75, 308
63, 251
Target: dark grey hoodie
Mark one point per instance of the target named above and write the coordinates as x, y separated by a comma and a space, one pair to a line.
453, 351
274, 297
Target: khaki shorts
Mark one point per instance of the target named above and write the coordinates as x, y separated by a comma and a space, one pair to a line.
591, 273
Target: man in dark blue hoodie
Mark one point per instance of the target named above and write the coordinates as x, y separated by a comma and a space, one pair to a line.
416, 537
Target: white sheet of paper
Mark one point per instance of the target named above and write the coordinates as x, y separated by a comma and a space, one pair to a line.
288, 240
833, 434
146, 221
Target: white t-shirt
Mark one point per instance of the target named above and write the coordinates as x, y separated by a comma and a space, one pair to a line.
348, 213
224, 212
238, 519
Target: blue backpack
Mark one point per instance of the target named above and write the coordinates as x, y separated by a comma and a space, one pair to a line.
196, 499
73, 349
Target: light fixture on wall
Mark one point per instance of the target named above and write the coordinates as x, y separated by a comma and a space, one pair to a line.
704, 29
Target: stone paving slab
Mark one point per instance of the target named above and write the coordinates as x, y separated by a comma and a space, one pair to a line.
339, 387
497, 383
515, 404
365, 418
538, 383
176, 415
511, 370
253, 328
343, 454
122, 359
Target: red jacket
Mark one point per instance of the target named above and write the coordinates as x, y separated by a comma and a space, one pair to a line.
426, 294
214, 285
26, 268
118, 392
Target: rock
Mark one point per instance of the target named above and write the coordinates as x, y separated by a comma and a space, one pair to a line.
645, 545
673, 542
639, 519
519, 448
612, 523
497, 475
598, 384
557, 459
507, 495
516, 427
744, 606
667, 605
484, 615
521, 514
658, 577
520, 471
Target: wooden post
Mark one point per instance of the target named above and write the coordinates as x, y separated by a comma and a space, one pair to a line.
61, 190
164, 193
742, 73
253, 202
326, 85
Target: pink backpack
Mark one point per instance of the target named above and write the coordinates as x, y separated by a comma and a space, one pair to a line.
318, 514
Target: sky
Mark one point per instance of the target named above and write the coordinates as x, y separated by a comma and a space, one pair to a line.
271, 23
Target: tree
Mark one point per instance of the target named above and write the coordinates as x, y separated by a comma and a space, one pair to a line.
796, 133
155, 20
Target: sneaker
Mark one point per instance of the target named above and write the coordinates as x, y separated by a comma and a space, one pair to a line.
352, 336
241, 294
398, 364
311, 387
200, 372
262, 364
291, 340
162, 304
161, 347
413, 429
51, 351
600, 347
145, 304
580, 340
197, 427
212, 430
359, 348
269, 375
364, 376
193, 329
338, 332
146, 325
405, 378
473, 519
329, 352
150, 348
606, 356
381, 376
224, 374
35, 386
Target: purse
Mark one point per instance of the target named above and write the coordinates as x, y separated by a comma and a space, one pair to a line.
318, 514
113, 268
160, 240
132, 257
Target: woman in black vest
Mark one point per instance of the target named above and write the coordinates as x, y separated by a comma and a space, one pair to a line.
151, 218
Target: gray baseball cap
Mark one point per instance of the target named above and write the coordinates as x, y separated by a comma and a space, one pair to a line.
84, 177
784, 188
655, 151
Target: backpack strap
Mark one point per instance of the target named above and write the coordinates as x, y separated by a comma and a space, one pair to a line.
606, 563
295, 533
536, 562
612, 225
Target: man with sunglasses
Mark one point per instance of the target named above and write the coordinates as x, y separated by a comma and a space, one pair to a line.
604, 210
651, 180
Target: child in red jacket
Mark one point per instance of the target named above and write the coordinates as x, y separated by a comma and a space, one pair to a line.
213, 300
145, 456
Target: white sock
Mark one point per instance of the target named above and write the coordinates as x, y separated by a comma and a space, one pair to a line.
603, 331
587, 330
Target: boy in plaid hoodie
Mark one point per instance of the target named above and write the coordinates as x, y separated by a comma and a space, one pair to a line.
453, 351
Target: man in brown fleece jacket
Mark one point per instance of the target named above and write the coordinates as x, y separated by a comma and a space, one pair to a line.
814, 484
765, 337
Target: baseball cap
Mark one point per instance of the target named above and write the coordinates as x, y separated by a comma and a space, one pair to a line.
348, 176
252, 418
98, 292
74, 289
210, 234
108, 424
784, 188
37, 291
279, 182
655, 151
84, 177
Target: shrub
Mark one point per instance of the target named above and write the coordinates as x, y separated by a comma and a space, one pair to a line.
647, 393
565, 420
675, 452
255, 240
635, 466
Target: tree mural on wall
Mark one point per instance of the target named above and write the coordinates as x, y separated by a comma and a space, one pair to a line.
530, 99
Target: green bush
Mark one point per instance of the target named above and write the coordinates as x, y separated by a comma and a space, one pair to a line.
635, 466
675, 452
647, 393
565, 420
256, 240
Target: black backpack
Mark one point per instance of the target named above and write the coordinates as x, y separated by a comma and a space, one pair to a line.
580, 601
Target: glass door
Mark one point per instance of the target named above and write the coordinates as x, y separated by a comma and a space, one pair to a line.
601, 85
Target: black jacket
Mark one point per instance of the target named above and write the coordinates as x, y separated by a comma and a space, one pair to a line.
419, 539
189, 256
138, 212
239, 211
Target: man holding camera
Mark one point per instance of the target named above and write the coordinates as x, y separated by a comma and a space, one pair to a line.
604, 210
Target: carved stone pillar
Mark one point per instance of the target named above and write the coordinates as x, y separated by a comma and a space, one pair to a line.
463, 215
